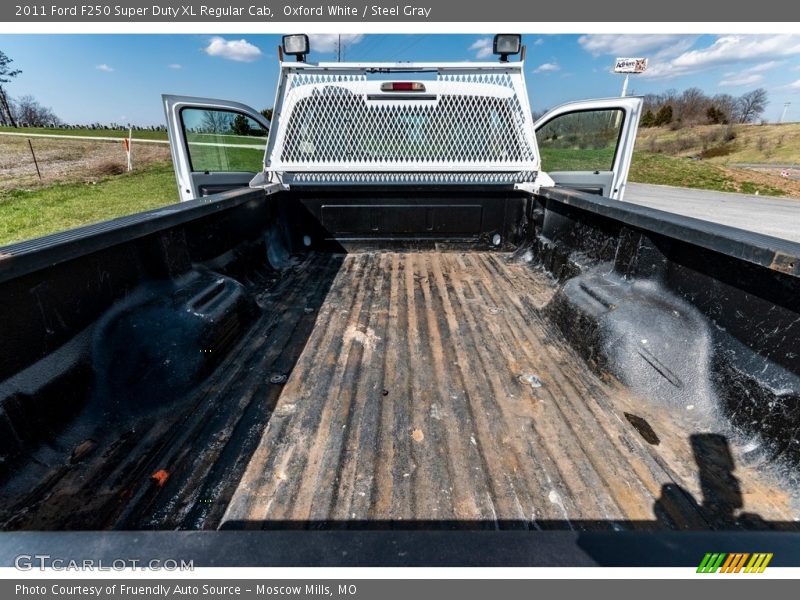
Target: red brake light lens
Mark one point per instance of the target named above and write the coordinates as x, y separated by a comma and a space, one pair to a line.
402, 86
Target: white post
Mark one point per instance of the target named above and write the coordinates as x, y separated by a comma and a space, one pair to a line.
783, 114
130, 148
618, 118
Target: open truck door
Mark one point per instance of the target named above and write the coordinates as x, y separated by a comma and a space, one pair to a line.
216, 145
588, 145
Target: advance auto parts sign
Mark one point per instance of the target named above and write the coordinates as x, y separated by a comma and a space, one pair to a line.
630, 65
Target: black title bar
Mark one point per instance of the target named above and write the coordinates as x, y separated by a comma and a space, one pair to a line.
434, 11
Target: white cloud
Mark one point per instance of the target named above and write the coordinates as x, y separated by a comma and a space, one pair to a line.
104, 67
761, 67
748, 76
635, 45
538, 42
327, 43
728, 50
547, 68
175, 66
238, 50
733, 80
793, 87
483, 47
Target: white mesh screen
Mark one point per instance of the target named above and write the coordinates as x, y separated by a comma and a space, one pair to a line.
467, 127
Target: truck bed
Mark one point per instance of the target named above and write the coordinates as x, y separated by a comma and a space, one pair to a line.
433, 392
416, 389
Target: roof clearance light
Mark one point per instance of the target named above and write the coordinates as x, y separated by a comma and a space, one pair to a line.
506, 44
296, 45
402, 86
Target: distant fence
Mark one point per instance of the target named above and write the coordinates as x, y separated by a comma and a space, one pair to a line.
30, 158
118, 139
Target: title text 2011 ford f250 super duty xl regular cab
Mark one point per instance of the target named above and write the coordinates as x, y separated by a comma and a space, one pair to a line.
417, 309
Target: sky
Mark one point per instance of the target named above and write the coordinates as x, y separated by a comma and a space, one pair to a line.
119, 78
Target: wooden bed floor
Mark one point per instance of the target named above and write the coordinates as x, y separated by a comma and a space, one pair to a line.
433, 392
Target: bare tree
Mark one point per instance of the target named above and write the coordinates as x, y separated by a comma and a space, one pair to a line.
6, 75
692, 106
752, 105
29, 112
215, 121
727, 107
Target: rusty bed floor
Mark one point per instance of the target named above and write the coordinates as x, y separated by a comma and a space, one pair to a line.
432, 392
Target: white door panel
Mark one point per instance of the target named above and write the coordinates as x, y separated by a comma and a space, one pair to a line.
588, 145
216, 145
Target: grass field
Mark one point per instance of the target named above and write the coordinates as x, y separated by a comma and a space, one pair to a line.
77, 187
681, 172
26, 214
775, 144
568, 159
66, 160
226, 158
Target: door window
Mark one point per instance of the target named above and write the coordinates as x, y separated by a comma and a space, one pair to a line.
223, 140
580, 141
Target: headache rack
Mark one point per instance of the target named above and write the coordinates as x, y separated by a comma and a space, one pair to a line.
343, 123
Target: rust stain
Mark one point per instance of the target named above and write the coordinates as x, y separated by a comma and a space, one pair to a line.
785, 263
417, 435
81, 450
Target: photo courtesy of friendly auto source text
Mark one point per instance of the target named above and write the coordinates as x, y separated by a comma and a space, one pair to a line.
378, 286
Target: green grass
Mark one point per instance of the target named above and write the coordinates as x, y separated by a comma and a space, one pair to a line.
26, 214
761, 144
215, 138
225, 158
658, 169
682, 172
576, 159
116, 133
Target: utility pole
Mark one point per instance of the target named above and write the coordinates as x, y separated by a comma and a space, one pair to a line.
339, 49
783, 114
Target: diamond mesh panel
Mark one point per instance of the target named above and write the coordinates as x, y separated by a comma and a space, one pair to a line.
472, 126
415, 178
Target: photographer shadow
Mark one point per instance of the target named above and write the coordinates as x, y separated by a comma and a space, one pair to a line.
720, 488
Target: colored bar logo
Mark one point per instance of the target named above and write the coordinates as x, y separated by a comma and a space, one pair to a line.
734, 563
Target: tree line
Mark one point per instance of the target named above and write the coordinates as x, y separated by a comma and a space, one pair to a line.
695, 107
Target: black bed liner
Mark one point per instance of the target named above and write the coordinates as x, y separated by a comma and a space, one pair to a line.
419, 389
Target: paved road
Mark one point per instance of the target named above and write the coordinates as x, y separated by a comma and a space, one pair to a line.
778, 217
